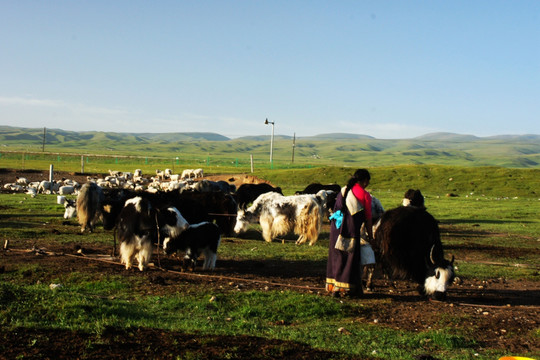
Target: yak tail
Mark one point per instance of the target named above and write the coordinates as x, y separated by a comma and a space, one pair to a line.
89, 205
309, 223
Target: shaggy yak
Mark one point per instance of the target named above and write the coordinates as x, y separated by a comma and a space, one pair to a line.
409, 247
279, 215
89, 202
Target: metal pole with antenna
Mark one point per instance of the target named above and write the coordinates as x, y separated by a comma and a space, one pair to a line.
271, 141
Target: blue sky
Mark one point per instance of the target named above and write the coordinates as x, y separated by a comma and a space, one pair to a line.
388, 69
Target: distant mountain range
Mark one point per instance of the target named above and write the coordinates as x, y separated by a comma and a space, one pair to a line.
332, 148
11, 133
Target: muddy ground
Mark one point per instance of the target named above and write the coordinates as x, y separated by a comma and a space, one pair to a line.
500, 313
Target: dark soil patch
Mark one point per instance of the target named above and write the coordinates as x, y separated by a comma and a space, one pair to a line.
141, 343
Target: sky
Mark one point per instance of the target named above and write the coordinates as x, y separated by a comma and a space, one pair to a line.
389, 69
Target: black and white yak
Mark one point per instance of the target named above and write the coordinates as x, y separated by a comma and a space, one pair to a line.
279, 215
140, 226
408, 243
203, 238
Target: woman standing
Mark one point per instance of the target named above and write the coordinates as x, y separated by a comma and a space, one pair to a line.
343, 275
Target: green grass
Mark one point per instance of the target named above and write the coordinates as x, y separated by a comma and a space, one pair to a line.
281, 315
501, 214
433, 180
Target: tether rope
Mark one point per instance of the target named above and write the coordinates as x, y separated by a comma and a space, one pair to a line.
218, 277
158, 241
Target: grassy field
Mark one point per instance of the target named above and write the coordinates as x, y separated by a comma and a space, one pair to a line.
491, 208
21, 146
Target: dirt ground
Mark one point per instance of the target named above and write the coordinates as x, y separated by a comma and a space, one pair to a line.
500, 313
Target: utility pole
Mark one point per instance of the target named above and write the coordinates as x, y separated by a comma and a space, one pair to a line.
44, 136
293, 145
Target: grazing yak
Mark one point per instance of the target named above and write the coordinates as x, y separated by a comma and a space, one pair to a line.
203, 238
247, 193
139, 226
279, 215
409, 246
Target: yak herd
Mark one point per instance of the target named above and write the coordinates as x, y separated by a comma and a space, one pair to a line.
191, 215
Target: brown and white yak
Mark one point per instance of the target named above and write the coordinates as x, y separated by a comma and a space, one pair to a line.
279, 215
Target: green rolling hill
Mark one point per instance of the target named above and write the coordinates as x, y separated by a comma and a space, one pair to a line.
340, 149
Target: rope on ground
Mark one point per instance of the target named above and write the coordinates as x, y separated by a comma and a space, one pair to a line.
208, 276
499, 306
525, 266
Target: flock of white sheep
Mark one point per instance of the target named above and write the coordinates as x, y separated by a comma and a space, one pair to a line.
163, 180
60, 187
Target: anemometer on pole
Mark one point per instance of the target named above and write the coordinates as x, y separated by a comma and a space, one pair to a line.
271, 140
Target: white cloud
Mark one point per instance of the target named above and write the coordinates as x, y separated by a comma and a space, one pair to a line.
18, 101
75, 107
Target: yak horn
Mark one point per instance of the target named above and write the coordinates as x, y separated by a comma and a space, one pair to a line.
431, 255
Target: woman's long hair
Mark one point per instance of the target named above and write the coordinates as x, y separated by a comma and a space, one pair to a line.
359, 175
